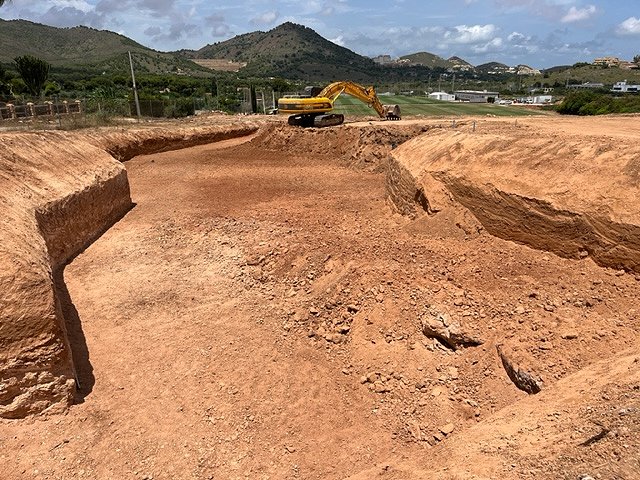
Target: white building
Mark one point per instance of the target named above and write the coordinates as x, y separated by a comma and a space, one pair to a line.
542, 99
476, 96
443, 96
624, 87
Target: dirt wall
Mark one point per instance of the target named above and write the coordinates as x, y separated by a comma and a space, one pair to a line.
41, 175
568, 192
364, 145
58, 192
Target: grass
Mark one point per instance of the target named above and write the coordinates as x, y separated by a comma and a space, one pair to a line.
417, 105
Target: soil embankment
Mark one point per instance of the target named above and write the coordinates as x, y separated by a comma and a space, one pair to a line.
564, 191
60, 191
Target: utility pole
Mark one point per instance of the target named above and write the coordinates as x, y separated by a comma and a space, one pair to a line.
453, 83
135, 89
264, 106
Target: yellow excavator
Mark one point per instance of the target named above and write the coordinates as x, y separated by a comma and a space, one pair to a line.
312, 108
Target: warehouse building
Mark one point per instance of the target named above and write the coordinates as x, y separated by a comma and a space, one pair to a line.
443, 96
476, 96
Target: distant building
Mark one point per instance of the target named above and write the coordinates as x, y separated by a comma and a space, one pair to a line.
527, 70
624, 87
587, 86
476, 96
460, 67
443, 96
383, 59
542, 99
628, 65
607, 61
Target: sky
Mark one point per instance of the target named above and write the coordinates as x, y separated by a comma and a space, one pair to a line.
539, 33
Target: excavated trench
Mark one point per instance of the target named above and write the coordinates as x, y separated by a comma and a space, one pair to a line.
342, 294
423, 175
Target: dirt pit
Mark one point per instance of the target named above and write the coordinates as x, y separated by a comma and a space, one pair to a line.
260, 314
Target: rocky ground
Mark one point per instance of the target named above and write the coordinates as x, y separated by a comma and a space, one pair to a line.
263, 312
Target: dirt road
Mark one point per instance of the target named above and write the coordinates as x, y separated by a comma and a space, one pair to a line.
258, 314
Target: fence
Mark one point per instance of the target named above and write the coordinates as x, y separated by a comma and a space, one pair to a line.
150, 108
15, 111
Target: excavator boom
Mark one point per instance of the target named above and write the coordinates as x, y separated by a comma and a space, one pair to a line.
314, 110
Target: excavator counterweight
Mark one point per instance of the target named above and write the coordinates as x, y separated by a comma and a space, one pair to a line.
313, 109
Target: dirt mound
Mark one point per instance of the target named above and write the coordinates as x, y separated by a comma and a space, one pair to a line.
58, 192
564, 192
359, 146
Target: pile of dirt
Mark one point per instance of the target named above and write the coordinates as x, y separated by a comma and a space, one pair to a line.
569, 193
362, 146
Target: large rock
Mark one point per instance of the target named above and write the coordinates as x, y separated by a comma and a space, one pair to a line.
451, 332
519, 369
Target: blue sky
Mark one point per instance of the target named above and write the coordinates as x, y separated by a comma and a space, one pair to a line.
540, 33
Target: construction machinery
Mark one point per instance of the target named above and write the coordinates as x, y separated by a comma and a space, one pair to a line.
312, 109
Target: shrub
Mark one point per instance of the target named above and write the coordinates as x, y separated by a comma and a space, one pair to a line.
594, 103
180, 107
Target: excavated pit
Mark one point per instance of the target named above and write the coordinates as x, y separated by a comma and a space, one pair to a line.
60, 192
263, 307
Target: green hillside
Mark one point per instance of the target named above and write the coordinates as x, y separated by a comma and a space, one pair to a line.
83, 48
427, 59
291, 51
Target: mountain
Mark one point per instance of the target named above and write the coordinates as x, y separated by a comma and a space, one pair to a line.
82, 48
494, 68
290, 51
426, 59
460, 64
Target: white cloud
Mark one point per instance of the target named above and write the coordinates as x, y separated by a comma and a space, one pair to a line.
266, 18
579, 14
80, 5
218, 26
494, 45
463, 34
339, 40
631, 26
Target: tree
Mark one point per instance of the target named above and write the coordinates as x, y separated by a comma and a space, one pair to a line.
34, 71
4, 81
636, 59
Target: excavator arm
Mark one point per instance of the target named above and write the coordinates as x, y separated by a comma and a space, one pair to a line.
314, 111
365, 94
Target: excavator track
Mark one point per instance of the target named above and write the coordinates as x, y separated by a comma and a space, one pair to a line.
319, 121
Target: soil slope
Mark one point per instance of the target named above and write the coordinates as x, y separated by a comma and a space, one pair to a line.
58, 193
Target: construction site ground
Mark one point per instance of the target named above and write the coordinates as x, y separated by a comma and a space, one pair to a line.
257, 315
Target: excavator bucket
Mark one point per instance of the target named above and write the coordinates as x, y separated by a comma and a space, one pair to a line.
392, 112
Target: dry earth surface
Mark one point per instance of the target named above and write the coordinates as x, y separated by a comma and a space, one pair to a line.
265, 312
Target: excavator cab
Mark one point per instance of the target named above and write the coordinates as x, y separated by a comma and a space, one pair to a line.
312, 91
